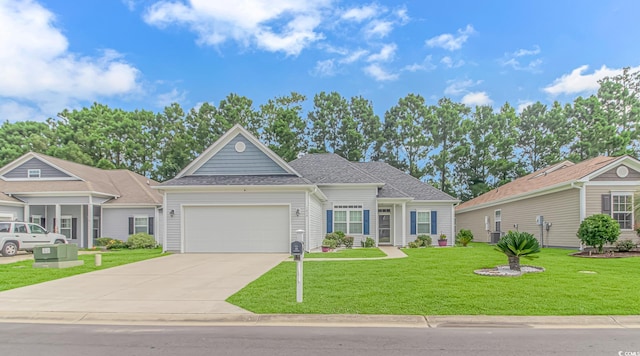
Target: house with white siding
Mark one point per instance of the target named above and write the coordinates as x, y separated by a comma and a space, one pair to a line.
552, 202
78, 201
239, 196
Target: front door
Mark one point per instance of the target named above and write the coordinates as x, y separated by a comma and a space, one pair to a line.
384, 226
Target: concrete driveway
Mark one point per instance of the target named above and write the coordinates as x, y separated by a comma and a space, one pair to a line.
174, 284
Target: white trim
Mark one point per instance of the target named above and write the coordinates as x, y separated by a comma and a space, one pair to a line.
612, 183
37, 173
124, 206
348, 207
630, 161
583, 202
436, 201
63, 193
352, 185
404, 224
40, 179
24, 158
531, 194
165, 215
209, 188
430, 222
13, 203
146, 218
182, 206
223, 141
307, 222
625, 194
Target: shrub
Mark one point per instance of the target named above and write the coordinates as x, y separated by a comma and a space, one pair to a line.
115, 244
597, 230
141, 240
424, 240
464, 237
330, 243
103, 241
415, 244
518, 244
335, 236
368, 242
348, 241
625, 245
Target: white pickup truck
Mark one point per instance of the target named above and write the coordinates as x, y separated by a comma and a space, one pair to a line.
20, 236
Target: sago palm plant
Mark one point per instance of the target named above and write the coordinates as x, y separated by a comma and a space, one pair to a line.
516, 245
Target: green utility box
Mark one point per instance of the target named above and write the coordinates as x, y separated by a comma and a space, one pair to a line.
56, 256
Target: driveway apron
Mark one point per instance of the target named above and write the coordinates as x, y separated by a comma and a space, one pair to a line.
180, 283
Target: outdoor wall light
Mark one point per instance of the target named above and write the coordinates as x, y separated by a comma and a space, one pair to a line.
297, 212
172, 213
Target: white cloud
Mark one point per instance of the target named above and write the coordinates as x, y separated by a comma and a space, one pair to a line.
275, 26
386, 53
13, 111
378, 28
325, 68
379, 74
37, 68
514, 60
522, 104
168, 98
578, 83
359, 14
477, 99
354, 56
450, 41
449, 62
457, 87
426, 65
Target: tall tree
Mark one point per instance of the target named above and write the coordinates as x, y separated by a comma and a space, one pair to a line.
21, 137
504, 136
368, 125
325, 120
446, 129
591, 128
284, 126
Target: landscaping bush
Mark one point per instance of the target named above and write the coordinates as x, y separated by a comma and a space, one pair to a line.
625, 245
517, 244
335, 236
464, 237
115, 244
330, 243
368, 242
424, 240
141, 240
597, 230
415, 244
103, 241
348, 241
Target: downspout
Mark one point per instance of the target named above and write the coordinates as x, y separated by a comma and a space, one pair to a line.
583, 204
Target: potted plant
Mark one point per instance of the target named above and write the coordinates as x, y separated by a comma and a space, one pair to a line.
328, 245
442, 240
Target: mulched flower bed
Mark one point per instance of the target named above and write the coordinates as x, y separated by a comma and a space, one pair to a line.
606, 254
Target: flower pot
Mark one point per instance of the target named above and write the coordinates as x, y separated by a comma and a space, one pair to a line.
326, 249
442, 242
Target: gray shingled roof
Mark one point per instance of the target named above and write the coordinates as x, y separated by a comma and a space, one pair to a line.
396, 180
329, 168
238, 180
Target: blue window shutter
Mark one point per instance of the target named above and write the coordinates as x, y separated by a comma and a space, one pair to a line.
434, 223
413, 222
365, 221
329, 221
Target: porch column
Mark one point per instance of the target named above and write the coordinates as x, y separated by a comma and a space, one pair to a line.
56, 224
404, 224
26, 213
90, 225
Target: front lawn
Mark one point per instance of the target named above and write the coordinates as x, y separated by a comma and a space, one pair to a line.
348, 253
20, 274
440, 281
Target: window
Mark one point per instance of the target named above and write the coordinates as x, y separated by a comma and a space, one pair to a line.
348, 219
96, 227
33, 173
423, 222
622, 209
498, 220
20, 228
5, 227
141, 224
36, 229
65, 226
36, 219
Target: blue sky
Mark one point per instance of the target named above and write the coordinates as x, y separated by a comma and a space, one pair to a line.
147, 54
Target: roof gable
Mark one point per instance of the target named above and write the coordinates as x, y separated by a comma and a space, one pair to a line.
46, 169
237, 152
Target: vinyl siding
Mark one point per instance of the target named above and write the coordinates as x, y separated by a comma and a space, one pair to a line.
315, 223
344, 195
46, 171
594, 202
16, 211
250, 162
443, 224
70, 200
115, 221
562, 209
176, 200
611, 175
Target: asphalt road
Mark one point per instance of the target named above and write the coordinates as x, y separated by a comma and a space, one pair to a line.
98, 340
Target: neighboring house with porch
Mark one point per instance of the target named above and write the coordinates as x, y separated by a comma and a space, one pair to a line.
552, 202
78, 201
239, 196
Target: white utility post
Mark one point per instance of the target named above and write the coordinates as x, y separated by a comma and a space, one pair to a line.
297, 250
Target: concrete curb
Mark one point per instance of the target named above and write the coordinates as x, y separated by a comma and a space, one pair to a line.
331, 320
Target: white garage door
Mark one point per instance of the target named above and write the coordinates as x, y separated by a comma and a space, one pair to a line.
236, 228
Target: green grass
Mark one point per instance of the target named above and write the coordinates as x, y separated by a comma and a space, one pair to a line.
20, 274
441, 282
348, 253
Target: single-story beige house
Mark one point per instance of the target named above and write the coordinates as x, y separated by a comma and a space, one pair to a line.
552, 202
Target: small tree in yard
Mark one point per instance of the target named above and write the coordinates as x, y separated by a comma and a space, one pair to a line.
464, 237
597, 230
516, 245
